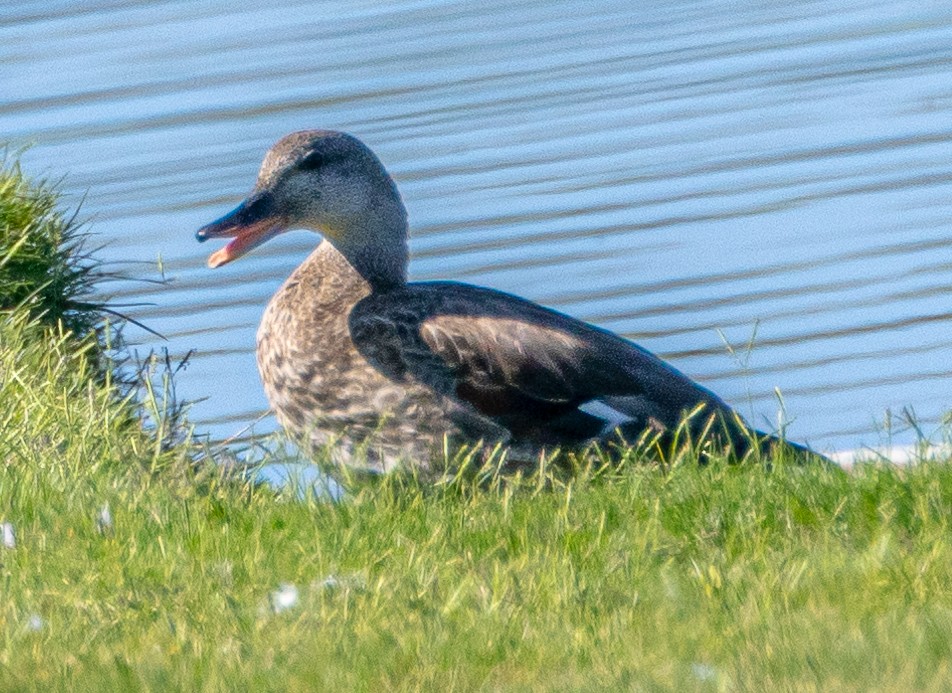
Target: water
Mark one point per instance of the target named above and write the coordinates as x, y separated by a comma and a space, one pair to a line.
683, 173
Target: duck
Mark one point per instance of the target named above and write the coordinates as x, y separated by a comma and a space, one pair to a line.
387, 373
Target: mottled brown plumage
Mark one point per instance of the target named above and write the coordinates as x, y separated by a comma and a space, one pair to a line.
384, 371
322, 387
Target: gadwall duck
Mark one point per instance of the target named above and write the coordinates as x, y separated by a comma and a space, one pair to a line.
384, 372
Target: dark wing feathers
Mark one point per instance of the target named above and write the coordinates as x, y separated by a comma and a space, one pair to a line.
511, 359
536, 360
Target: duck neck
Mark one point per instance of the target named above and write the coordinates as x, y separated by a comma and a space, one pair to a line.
377, 247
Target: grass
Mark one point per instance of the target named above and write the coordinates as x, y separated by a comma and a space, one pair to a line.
133, 566
45, 267
724, 577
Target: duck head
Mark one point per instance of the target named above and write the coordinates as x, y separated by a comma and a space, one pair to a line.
325, 181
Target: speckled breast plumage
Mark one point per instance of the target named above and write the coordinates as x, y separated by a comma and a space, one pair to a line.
322, 389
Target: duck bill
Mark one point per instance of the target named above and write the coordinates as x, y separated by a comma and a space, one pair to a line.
248, 225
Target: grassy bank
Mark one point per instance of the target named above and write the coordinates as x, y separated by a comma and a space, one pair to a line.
127, 565
702, 579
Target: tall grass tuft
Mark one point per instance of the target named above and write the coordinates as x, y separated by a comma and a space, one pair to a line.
51, 275
45, 265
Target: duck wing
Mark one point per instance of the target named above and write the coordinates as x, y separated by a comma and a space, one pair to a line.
542, 374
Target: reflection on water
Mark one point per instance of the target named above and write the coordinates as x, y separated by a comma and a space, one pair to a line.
684, 173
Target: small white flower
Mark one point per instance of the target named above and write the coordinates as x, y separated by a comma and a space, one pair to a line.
9, 536
330, 582
34, 623
104, 519
225, 571
345, 581
703, 672
284, 598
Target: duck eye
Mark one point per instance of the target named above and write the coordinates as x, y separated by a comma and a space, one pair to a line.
256, 208
312, 161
